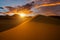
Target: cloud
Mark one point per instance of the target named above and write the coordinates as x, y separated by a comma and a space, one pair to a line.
25, 8
47, 7
1, 8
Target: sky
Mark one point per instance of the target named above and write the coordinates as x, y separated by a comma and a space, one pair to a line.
49, 10
12, 2
42, 10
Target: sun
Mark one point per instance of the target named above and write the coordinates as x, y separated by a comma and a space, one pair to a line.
22, 15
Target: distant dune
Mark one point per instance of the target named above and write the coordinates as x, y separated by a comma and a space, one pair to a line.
56, 17
7, 22
47, 19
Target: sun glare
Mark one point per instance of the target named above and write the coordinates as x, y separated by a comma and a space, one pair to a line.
22, 15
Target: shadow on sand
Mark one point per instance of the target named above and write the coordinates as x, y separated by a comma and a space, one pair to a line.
8, 22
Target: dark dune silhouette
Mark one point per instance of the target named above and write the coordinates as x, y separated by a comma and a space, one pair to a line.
8, 22
56, 17
47, 19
